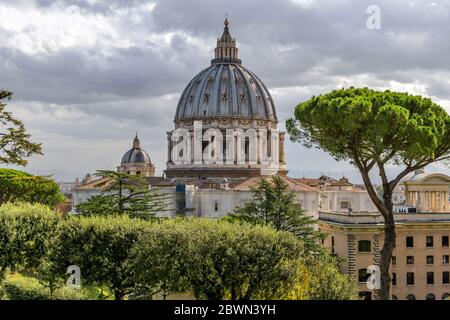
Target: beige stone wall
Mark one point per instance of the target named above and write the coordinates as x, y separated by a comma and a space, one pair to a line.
420, 289
346, 247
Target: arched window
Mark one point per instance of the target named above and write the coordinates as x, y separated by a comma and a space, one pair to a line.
216, 206
138, 172
363, 275
410, 297
430, 296
247, 149
446, 296
364, 246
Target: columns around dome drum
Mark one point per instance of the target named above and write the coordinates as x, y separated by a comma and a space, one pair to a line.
246, 152
169, 147
282, 150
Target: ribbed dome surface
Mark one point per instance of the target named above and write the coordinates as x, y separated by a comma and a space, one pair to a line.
226, 90
135, 155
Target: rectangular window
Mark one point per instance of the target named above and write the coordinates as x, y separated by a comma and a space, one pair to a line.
394, 279
430, 277
446, 277
410, 260
429, 242
332, 244
445, 259
409, 242
445, 241
394, 260
363, 276
364, 246
410, 278
430, 259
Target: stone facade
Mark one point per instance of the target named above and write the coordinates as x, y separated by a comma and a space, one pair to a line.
421, 265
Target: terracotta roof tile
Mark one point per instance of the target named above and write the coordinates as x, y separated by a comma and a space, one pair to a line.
252, 182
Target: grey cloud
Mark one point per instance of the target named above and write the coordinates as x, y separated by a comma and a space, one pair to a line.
314, 48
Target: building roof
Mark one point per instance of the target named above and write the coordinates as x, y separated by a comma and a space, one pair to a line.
293, 184
421, 176
136, 154
226, 89
94, 184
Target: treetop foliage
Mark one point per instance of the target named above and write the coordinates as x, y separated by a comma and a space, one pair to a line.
19, 186
123, 193
274, 205
14, 139
375, 125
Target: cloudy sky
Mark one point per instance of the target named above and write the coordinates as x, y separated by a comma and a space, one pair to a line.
88, 74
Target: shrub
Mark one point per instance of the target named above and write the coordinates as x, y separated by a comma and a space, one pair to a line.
218, 260
320, 279
26, 232
19, 186
100, 246
19, 287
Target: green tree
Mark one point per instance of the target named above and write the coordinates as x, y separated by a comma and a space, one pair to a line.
273, 204
47, 276
219, 260
101, 247
157, 259
123, 194
319, 278
372, 130
14, 139
26, 232
19, 186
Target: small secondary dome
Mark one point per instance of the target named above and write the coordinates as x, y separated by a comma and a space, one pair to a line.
226, 89
136, 154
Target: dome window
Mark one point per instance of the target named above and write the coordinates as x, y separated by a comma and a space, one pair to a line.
206, 97
191, 98
210, 79
224, 96
242, 96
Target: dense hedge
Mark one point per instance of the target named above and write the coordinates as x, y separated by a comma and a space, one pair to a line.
19, 186
26, 235
137, 258
101, 247
19, 287
218, 260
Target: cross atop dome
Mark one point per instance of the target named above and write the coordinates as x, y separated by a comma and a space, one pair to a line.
226, 50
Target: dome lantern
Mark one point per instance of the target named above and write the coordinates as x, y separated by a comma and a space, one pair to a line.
136, 142
226, 50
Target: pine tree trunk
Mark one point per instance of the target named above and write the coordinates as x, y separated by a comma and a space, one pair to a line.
386, 257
